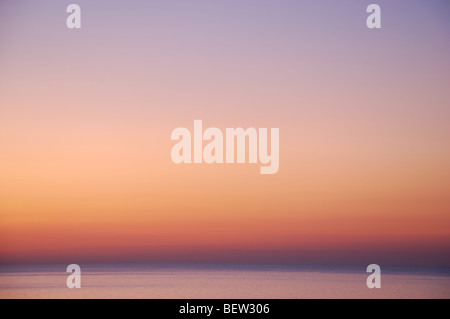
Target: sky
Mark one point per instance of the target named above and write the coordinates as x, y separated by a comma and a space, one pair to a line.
86, 117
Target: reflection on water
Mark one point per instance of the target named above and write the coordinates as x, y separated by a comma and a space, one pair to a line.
219, 281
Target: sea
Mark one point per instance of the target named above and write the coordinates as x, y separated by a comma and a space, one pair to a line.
194, 281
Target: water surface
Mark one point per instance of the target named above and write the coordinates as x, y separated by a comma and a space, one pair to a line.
221, 281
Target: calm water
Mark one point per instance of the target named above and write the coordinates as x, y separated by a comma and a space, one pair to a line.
187, 281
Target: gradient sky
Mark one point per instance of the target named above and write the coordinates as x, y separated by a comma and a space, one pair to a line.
86, 117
